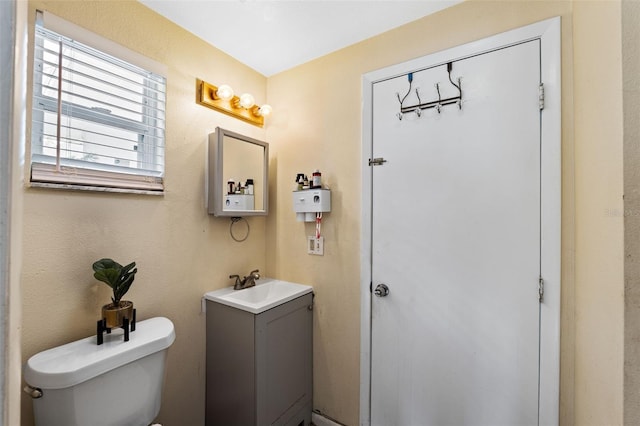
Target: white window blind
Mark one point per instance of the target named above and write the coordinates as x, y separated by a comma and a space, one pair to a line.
98, 121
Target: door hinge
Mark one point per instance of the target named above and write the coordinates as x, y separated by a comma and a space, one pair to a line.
540, 289
376, 161
541, 96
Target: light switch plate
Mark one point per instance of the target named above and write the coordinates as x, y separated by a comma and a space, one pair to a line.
315, 245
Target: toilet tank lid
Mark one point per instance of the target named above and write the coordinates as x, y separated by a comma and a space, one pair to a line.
79, 361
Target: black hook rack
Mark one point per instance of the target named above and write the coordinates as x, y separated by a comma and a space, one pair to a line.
437, 104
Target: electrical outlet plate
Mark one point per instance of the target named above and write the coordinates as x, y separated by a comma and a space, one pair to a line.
315, 245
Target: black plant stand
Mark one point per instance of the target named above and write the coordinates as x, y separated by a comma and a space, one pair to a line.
127, 326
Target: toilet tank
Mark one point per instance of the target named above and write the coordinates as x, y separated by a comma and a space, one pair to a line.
116, 383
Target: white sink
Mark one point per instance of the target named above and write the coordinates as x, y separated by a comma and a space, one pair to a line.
266, 294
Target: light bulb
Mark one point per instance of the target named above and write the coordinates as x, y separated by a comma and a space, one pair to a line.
265, 110
247, 101
224, 92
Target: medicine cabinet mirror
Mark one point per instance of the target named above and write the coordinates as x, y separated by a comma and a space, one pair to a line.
238, 175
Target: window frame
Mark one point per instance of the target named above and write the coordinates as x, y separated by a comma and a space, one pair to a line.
150, 148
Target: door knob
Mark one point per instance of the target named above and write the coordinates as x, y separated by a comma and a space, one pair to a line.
381, 290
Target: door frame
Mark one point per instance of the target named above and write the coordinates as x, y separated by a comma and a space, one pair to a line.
548, 32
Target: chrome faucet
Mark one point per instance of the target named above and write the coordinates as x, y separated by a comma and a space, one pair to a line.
246, 282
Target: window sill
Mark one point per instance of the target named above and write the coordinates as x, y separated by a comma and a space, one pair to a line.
46, 175
69, 187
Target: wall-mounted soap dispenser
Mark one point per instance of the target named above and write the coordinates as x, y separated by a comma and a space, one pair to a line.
308, 202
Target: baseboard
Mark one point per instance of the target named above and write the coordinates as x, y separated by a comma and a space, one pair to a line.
318, 419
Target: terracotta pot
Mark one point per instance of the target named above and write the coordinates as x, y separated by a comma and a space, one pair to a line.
114, 314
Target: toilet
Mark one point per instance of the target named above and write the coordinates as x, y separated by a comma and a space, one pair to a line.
116, 383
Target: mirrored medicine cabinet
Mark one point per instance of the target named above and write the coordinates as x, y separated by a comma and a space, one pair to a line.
238, 175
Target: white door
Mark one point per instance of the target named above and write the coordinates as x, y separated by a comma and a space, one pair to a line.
456, 238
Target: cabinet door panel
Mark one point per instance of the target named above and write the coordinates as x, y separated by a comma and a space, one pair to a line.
230, 389
284, 361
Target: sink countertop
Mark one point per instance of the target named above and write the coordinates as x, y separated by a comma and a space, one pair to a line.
266, 294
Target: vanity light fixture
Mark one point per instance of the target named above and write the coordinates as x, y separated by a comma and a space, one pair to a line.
222, 98
246, 100
264, 110
224, 92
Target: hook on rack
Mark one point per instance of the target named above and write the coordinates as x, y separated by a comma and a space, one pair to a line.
418, 111
439, 104
400, 115
417, 108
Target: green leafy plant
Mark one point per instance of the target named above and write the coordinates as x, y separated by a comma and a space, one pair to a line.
116, 276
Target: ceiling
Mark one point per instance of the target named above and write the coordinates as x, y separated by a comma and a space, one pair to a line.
271, 36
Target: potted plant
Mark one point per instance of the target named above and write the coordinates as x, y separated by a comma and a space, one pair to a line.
119, 278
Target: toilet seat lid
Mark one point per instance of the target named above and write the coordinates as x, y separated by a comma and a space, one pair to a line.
76, 362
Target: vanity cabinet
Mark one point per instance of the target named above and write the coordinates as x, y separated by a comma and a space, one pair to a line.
259, 366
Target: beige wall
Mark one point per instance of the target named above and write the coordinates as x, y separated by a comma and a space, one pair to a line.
599, 263
631, 90
182, 252
318, 124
